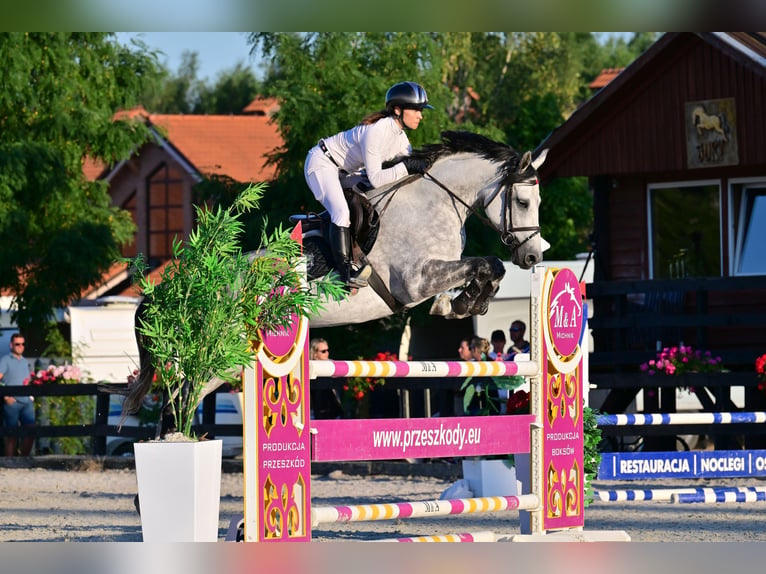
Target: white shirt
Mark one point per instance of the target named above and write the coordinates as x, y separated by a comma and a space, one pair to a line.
368, 146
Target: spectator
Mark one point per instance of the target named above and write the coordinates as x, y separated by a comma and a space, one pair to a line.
14, 372
464, 350
518, 343
325, 403
485, 386
497, 339
479, 347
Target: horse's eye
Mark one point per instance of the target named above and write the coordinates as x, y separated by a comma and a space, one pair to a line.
523, 203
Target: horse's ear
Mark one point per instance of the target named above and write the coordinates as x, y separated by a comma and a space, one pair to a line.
526, 159
540, 159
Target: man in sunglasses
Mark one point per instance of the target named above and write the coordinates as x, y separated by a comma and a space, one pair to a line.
14, 371
518, 343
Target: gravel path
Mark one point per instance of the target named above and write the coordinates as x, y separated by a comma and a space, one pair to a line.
92, 504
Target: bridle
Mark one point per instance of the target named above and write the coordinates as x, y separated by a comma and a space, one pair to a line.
508, 231
508, 234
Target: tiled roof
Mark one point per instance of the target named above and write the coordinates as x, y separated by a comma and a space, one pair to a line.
262, 106
92, 168
235, 145
753, 41
606, 76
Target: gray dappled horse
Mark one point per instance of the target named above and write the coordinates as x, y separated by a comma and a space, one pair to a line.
415, 250
421, 232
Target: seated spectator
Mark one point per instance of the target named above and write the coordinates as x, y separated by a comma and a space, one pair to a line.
325, 403
518, 343
498, 345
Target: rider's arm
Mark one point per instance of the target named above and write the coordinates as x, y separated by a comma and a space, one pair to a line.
383, 141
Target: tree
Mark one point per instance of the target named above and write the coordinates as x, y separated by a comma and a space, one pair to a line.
177, 93
232, 91
513, 87
183, 93
58, 230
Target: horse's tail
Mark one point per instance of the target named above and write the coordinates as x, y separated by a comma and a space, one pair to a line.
142, 385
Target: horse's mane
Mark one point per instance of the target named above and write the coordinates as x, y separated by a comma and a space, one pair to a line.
455, 142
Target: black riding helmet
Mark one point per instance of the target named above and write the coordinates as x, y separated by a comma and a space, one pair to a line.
407, 95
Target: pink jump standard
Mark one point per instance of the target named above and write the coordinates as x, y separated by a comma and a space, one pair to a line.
277, 447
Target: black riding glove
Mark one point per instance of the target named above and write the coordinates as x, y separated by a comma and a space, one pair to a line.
414, 165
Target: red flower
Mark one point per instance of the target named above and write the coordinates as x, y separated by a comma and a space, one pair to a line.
760, 366
760, 370
357, 387
518, 403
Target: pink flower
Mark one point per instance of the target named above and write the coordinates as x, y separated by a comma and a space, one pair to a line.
670, 368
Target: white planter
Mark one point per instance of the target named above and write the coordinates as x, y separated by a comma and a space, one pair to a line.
491, 478
179, 490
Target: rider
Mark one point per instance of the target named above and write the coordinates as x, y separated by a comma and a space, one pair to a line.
379, 137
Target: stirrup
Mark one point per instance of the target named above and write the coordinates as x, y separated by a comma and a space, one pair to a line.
358, 276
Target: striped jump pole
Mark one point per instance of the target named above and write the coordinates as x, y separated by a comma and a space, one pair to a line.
640, 494
433, 369
690, 494
710, 495
481, 536
656, 419
390, 511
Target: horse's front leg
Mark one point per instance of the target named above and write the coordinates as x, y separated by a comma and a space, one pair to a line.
481, 304
473, 272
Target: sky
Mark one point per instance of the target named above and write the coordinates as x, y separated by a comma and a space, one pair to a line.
218, 51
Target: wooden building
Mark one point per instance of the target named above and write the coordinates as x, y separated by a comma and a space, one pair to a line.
674, 149
156, 185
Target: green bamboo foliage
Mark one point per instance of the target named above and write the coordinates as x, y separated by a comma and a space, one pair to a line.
213, 299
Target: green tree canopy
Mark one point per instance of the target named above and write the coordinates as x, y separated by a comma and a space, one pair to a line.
58, 230
182, 92
514, 87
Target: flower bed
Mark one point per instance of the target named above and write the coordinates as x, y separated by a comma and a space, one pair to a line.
60, 411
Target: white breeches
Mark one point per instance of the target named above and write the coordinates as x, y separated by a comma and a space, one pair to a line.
322, 177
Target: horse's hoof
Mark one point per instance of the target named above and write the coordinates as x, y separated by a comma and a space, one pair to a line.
480, 309
459, 305
442, 305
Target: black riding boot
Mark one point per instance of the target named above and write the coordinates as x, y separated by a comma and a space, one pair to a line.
340, 244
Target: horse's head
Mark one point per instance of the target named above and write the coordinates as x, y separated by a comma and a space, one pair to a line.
516, 215
492, 175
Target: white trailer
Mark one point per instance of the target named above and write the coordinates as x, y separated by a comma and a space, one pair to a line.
103, 341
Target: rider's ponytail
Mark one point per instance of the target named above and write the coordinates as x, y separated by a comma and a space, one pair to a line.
370, 119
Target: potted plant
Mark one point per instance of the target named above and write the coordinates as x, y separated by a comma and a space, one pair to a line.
200, 323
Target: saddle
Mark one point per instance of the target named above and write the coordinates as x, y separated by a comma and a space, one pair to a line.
364, 221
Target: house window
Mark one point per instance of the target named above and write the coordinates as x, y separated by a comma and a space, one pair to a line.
164, 212
685, 230
749, 227
129, 250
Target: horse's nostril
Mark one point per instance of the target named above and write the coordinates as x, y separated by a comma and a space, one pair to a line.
530, 260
